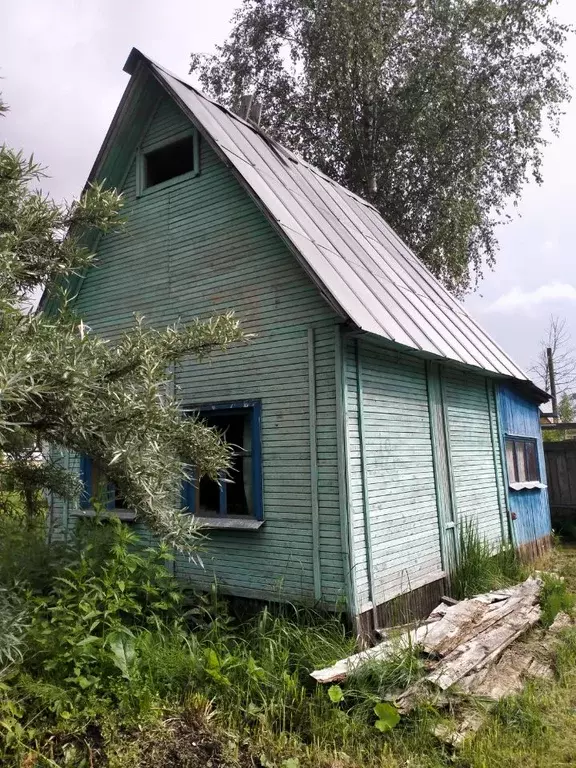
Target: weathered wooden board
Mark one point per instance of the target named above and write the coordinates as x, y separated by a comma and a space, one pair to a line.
380, 652
469, 619
464, 638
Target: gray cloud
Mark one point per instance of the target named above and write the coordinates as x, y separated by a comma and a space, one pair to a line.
61, 61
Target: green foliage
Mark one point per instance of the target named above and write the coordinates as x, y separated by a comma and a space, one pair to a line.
434, 111
566, 414
110, 674
64, 386
14, 621
555, 597
481, 567
27, 558
387, 715
335, 694
98, 606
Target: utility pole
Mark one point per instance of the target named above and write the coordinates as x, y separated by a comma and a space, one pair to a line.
552, 380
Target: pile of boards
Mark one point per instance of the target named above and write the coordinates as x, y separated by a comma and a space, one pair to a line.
468, 646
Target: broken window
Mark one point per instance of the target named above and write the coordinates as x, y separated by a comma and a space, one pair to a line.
170, 161
239, 494
522, 460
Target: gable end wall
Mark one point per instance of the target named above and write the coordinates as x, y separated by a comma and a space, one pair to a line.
202, 247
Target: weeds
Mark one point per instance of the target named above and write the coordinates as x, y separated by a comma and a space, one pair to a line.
119, 670
555, 598
26, 558
481, 568
14, 621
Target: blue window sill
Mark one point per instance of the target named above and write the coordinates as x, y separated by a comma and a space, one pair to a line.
230, 523
122, 514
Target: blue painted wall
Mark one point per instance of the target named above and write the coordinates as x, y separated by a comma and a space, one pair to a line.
521, 418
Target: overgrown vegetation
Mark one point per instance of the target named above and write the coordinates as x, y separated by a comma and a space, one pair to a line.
64, 386
483, 567
105, 661
555, 598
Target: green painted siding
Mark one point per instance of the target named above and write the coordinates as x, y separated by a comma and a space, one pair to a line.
199, 248
399, 490
478, 486
430, 459
419, 439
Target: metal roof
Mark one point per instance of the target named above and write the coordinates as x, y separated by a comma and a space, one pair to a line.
359, 263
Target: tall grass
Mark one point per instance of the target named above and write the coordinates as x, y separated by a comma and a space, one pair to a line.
482, 567
108, 669
555, 597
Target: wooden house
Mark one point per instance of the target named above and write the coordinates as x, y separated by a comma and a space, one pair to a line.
367, 406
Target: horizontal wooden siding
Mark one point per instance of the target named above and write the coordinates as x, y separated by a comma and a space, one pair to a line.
198, 248
472, 429
398, 492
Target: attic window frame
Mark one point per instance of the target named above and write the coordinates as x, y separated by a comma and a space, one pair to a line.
143, 151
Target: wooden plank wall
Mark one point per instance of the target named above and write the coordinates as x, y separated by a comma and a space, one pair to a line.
198, 248
401, 502
521, 418
399, 490
472, 427
560, 460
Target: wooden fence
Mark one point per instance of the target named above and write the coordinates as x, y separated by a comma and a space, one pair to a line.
561, 475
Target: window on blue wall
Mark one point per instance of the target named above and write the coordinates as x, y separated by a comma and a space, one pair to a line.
239, 495
97, 487
522, 460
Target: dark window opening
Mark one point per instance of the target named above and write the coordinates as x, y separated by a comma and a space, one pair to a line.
168, 162
97, 487
522, 460
239, 493
236, 429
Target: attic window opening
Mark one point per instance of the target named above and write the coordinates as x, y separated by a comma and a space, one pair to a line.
169, 162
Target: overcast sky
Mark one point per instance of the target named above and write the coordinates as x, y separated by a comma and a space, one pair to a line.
61, 63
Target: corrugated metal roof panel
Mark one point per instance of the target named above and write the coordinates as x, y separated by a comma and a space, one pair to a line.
347, 247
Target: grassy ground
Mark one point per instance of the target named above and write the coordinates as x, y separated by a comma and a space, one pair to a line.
107, 674
563, 559
534, 730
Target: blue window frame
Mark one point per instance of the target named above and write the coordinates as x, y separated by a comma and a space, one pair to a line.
97, 486
240, 496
